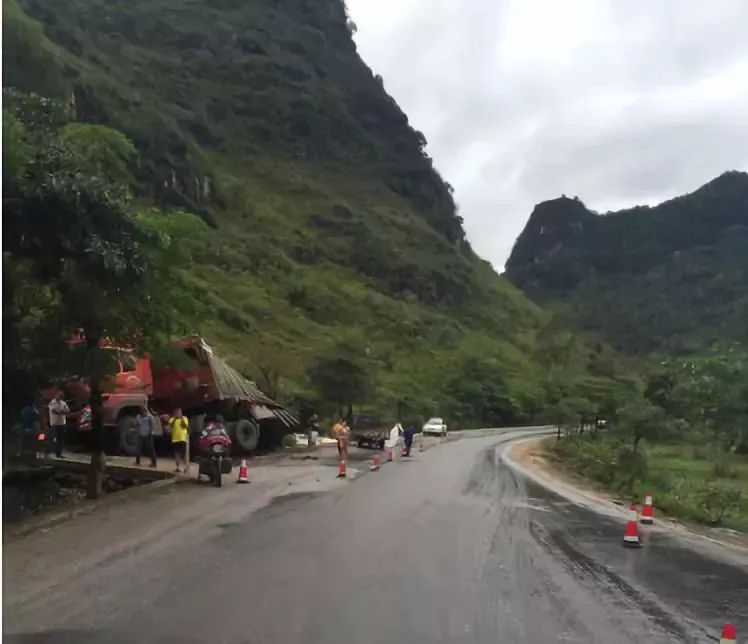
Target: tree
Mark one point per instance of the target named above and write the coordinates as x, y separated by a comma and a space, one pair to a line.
481, 393
343, 375
70, 223
641, 420
571, 412
271, 365
711, 392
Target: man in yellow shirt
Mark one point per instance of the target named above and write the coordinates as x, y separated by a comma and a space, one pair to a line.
180, 434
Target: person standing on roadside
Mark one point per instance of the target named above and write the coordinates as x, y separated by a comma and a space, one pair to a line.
180, 434
408, 434
340, 434
145, 436
58, 410
29, 427
313, 431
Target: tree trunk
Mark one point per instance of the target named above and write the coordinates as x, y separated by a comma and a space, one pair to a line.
96, 469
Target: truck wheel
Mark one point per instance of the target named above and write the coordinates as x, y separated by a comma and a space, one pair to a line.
128, 435
246, 433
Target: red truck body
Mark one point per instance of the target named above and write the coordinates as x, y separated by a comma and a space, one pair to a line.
208, 387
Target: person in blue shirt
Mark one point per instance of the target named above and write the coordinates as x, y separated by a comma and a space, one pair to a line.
145, 422
29, 426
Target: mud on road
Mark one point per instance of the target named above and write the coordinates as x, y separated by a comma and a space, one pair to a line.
450, 546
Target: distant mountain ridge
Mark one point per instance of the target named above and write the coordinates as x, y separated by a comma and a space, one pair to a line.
330, 230
671, 277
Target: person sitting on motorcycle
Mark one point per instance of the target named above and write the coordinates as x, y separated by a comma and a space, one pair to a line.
216, 423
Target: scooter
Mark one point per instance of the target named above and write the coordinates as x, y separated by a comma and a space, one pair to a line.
214, 448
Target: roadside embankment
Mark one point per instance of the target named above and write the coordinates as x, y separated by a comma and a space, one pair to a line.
536, 459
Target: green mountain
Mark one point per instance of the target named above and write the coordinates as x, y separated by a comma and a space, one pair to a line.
670, 278
328, 225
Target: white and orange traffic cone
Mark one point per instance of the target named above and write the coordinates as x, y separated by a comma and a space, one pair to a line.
631, 535
728, 634
647, 517
375, 462
243, 472
41, 449
390, 455
341, 470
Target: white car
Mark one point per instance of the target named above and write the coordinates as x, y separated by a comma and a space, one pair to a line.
435, 426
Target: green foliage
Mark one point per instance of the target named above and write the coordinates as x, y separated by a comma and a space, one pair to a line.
573, 411
78, 256
101, 151
288, 441
30, 62
691, 422
15, 149
342, 375
669, 279
640, 419
481, 394
324, 216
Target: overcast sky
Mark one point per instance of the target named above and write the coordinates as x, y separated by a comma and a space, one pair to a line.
523, 100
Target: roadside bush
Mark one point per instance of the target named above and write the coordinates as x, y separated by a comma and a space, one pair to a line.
595, 459
721, 466
709, 504
700, 453
288, 441
631, 467
717, 503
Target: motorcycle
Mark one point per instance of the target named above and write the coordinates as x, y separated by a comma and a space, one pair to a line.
214, 448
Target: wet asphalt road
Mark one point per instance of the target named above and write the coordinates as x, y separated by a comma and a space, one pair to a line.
450, 546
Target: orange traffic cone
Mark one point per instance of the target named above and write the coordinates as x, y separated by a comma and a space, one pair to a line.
631, 535
647, 517
390, 455
243, 473
728, 634
375, 462
341, 470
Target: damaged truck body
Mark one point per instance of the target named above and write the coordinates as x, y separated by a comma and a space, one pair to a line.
202, 385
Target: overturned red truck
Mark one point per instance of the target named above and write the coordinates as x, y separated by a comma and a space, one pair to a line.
203, 386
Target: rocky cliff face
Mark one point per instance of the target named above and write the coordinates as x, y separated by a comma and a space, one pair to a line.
670, 277
328, 218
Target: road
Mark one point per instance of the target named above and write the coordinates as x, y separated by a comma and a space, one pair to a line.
451, 546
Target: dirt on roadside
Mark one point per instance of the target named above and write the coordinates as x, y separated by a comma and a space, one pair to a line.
536, 456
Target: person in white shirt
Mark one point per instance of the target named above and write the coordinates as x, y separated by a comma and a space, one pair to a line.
58, 410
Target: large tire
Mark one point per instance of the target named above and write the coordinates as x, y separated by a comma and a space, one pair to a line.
245, 434
128, 435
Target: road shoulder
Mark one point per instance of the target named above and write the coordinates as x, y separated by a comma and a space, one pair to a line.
528, 457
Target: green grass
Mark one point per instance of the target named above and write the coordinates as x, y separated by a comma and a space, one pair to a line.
676, 463
687, 480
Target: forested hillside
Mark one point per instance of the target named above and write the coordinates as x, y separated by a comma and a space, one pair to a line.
330, 243
671, 278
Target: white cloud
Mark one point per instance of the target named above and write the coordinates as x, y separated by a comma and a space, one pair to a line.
620, 103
